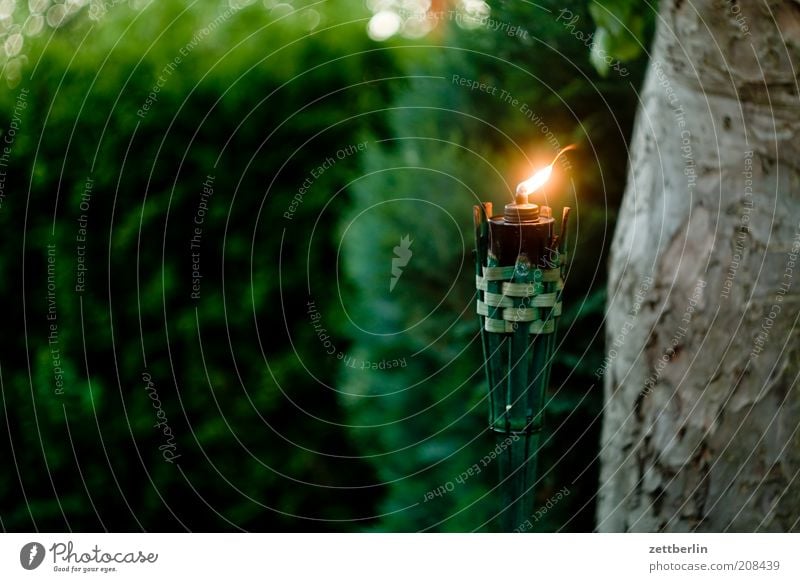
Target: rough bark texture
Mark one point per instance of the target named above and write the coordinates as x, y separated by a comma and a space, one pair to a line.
701, 379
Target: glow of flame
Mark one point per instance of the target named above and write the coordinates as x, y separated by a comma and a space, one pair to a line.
541, 177
536, 181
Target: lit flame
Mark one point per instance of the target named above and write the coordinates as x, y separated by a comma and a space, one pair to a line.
541, 177
536, 181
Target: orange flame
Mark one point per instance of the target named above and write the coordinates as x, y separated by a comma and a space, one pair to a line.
541, 177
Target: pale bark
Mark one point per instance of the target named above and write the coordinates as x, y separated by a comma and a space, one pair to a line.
712, 443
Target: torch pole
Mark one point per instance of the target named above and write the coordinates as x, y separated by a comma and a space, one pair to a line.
518, 277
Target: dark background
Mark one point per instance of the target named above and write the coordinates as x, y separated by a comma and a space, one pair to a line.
272, 432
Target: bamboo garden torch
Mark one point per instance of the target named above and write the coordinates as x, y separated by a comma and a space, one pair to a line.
519, 268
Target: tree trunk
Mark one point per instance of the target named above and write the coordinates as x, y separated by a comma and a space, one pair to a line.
701, 419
